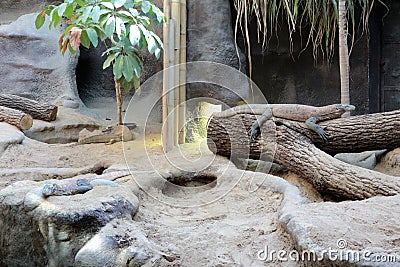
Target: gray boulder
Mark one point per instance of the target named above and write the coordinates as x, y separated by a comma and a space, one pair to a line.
9, 135
211, 38
39, 231
65, 129
32, 66
366, 159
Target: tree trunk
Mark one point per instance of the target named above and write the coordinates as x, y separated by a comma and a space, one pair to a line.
118, 95
37, 110
291, 145
344, 56
16, 118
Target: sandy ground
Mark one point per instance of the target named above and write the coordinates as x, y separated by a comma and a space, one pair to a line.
228, 232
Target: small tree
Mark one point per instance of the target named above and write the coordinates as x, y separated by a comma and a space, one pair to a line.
125, 26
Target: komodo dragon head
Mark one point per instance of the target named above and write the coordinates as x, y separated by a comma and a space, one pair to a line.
335, 111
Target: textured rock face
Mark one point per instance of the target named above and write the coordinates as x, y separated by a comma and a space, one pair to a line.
63, 130
31, 64
358, 232
9, 135
211, 38
49, 232
10, 10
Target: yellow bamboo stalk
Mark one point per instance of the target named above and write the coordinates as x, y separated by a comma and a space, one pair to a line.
182, 74
176, 17
171, 128
165, 139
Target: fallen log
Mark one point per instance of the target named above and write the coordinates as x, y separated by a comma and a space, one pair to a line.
293, 146
40, 111
15, 117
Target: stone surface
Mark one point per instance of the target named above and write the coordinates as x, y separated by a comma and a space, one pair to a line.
366, 159
51, 231
359, 226
211, 38
9, 135
111, 134
10, 10
119, 243
390, 163
65, 129
31, 64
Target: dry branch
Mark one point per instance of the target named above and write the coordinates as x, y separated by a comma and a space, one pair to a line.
296, 151
15, 117
40, 111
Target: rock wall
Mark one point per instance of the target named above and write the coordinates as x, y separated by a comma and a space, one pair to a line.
211, 38
32, 66
10, 10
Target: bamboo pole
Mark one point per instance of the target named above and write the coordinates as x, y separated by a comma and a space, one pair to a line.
166, 26
171, 93
182, 74
176, 17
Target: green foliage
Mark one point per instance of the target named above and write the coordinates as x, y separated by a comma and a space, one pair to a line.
125, 26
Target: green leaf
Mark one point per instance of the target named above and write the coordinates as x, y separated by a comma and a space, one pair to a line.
151, 43
109, 60
108, 5
119, 26
80, 2
85, 14
92, 34
136, 67
85, 41
127, 86
96, 14
39, 21
119, 3
61, 9
136, 84
160, 43
146, 6
110, 26
158, 12
125, 13
111, 49
134, 35
71, 50
127, 69
157, 53
134, 12
118, 66
55, 18
69, 11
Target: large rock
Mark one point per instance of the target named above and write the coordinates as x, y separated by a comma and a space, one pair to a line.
65, 129
9, 135
119, 243
31, 64
353, 233
390, 163
10, 10
211, 38
49, 232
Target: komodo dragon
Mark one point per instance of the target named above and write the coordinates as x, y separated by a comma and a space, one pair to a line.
308, 114
81, 184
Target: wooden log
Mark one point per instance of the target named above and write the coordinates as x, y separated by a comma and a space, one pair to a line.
40, 111
291, 145
354, 134
15, 117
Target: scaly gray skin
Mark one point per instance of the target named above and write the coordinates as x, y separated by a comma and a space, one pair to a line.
308, 114
80, 185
